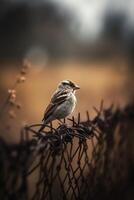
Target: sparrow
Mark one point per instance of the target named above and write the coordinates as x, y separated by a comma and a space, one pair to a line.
62, 102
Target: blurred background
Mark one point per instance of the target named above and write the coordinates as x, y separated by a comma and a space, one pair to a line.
90, 42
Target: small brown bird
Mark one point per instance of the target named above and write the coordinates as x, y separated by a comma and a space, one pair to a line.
62, 103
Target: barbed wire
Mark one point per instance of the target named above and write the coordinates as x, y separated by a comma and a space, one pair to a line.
76, 160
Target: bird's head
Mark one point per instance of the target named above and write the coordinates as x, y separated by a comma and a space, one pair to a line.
67, 84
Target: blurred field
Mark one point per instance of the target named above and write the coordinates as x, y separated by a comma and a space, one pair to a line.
106, 80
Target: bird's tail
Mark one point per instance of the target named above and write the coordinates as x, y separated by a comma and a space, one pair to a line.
45, 122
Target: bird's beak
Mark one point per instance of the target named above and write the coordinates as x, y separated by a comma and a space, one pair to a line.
76, 87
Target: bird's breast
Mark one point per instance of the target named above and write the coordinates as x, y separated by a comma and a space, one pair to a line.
70, 104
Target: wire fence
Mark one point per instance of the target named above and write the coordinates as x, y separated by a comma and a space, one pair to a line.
93, 159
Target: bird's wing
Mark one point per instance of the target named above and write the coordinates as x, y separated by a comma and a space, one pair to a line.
49, 110
58, 98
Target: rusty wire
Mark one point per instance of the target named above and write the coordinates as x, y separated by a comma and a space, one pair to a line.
76, 160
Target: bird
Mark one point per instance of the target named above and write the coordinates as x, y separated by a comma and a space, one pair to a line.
62, 102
